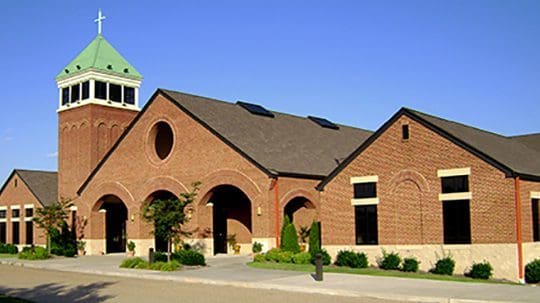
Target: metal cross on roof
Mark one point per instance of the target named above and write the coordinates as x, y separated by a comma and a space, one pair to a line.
99, 20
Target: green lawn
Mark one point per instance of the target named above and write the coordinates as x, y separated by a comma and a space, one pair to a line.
8, 256
371, 272
4, 299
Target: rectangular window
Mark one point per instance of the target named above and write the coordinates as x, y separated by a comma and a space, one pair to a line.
405, 132
75, 93
536, 220
15, 232
2, 214
85, 90
28, 212
3, 232
129, 95
366, 225
455, 184
101, 90
456, 222
65, 95
115, 92
365, 190
15, 213
29, 232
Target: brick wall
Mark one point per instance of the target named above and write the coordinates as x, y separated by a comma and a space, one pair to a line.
134, 172
20, 196
85, 134
409, 211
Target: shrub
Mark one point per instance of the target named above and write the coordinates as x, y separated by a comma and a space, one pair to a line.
410, 265
130, 246
326, 259
314, 239
351, 259
257, 247
286, 222
134, 263
260, 258
170, 266
160, 257
156, 265
302, 258
188, 257
63, 241
273, 255
481, 270
139, 263
290, 239
8, 249
444, 266
34, 253
285, 257
532, 271
390, 261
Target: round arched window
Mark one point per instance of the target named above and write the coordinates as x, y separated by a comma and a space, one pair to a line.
163, 138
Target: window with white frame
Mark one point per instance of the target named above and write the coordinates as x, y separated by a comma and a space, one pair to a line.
455, 197
365, 202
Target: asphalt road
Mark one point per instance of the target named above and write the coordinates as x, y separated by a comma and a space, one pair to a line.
53, 286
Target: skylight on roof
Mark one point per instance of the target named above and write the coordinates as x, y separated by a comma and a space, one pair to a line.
323, 122
255, 109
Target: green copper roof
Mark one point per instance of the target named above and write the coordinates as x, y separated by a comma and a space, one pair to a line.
100, 55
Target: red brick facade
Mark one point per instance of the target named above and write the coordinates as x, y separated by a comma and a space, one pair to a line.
85, 134
133, 173
409, 210
16, 195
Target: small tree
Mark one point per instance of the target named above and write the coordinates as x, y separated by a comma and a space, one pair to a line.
51, 218
290, 239
168, 216
314, 239
286, 222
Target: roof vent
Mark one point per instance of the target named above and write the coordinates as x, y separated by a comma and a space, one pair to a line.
126, 70
109, 66
66, 70
323, 122
78, 66
255, 109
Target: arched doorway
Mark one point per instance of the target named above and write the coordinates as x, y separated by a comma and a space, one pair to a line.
160, 244
115, 223
300, 211
231, 213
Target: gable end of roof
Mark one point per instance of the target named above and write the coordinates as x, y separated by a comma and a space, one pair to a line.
411, 114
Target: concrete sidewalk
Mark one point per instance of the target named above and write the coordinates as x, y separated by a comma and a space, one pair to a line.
232, 271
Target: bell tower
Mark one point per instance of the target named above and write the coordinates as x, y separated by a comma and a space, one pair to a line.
98, 98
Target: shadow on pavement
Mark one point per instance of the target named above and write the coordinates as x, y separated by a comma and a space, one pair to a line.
53, 292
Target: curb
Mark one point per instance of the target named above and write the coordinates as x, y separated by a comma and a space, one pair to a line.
143, 274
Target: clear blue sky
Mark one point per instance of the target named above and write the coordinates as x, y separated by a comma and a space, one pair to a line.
354, 62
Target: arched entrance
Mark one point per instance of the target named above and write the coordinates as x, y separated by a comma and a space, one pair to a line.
160, 244
231, 213
300, 211
115, 213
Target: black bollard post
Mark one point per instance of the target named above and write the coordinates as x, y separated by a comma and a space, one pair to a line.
318, 267
151, 255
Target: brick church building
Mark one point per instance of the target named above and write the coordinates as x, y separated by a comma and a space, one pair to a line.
419, 185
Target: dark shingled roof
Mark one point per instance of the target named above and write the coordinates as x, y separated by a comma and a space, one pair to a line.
285, 144
43, 184
531, 140
509, 152
513, 155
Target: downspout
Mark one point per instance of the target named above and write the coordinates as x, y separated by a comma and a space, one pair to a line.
518, 229
276, 208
